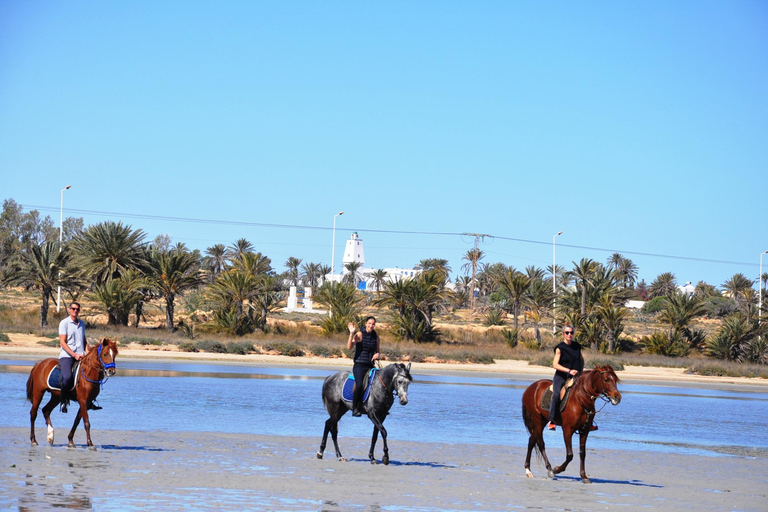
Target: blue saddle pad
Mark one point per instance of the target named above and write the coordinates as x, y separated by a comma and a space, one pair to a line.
54, 378
349, 384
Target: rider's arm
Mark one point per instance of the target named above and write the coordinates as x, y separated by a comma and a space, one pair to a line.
65, 347
352, 335
560, 368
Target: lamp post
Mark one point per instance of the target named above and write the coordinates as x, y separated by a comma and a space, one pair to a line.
554, 284
333, 247
760, 289
61, 239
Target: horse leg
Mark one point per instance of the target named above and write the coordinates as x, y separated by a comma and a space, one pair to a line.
335, 438
37, 397
379, 426
374, 438
583, 454
568, 438
49, 407
328, 428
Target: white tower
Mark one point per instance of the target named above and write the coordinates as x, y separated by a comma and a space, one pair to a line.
353, 252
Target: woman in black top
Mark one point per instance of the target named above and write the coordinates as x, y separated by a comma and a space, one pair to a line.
568, 362
367, 350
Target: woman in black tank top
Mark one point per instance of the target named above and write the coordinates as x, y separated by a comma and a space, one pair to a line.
367, 350
568, 362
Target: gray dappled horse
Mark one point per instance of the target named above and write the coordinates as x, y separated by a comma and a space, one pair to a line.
394, 378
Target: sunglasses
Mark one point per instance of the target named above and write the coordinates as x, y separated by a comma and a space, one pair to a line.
567, 332
74, 309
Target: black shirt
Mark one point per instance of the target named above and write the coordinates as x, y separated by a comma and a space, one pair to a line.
366, 347
570, 357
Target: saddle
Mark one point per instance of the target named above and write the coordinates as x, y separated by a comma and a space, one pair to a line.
349, 384
565, 392
54, 377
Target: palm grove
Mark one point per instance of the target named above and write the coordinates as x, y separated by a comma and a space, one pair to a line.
235, 289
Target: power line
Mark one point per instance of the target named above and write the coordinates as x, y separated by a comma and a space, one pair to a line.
388, 231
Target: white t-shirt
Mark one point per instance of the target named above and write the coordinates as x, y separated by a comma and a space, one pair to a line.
75, 332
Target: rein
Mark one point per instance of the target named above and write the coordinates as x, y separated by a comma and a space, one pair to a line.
104, 368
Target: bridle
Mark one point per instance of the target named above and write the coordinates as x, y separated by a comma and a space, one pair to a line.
104, 368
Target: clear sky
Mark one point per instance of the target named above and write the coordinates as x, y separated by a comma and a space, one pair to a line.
635, 127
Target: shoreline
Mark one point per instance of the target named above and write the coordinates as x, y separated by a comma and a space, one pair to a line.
25, 346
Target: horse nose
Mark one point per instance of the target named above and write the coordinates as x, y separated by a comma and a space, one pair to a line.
616, 399
403, 400
111, 372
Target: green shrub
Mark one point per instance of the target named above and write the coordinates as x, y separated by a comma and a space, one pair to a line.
542, 360
653, 306
285, 349
215, 347
4, 338
659, 343
510, 337
325, 351
51, 343
494, 316
240, 347
187, 346
142, 341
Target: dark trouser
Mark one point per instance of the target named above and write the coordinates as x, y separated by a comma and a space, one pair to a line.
359, 370
558, 382
66, 364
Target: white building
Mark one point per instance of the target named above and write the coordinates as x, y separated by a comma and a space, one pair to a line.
354, 253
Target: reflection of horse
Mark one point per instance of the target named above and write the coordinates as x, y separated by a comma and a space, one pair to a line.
94, 368
578, 414
394, 378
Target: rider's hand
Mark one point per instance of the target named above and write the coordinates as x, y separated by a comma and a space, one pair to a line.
351, 328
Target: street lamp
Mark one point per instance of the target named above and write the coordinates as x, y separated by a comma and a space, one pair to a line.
554, 289
61, 239
760, 289
333, 247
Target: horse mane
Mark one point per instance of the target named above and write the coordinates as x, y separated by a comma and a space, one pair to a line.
395, 367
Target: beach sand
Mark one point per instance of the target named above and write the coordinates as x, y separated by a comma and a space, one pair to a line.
202, 471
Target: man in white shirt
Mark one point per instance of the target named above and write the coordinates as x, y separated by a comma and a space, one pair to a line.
73, 348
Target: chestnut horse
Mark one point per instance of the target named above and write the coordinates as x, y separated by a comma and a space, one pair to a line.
578, 414
97, 365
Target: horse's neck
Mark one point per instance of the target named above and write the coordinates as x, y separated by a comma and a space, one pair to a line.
90, 365
386, 376
583, 389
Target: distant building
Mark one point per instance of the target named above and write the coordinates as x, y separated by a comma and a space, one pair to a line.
354, 253
687, 289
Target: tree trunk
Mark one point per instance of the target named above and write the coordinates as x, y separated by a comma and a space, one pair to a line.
169, 312
611, 341
583, 300
44, 310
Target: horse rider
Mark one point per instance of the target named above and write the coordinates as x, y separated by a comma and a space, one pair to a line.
367, 350
74, 346
568, 362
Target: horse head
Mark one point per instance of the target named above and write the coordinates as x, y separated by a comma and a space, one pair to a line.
605, 382
107, 352
402, 380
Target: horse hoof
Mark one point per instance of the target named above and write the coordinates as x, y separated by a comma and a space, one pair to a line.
550, 473
71, 445
91, 448
319, 455
373, 462
586, 481
385, 460
342, 459
34, 443
528, 473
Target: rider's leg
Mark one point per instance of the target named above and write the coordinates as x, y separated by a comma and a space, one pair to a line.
66, 364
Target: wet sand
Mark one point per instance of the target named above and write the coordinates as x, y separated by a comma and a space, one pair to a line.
202, 471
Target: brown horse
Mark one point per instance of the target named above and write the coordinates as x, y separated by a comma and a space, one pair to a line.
95, 367
578, 414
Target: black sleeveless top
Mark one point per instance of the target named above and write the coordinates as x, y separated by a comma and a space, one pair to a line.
570, 357
366, 347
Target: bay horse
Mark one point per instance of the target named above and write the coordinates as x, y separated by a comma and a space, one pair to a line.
393, 379
97, 365
578, 415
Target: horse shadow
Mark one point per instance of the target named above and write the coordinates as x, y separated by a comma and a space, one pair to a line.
635, 483
411, 463
133, 448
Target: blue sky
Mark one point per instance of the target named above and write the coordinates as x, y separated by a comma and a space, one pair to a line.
635, 127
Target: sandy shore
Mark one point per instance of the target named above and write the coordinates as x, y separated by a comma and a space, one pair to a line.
201, 471
28, 345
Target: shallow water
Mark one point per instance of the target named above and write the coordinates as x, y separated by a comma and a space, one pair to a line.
180, 396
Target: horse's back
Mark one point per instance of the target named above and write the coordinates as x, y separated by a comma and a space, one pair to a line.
532, 394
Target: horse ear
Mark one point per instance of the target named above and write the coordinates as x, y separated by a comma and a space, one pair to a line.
408, 368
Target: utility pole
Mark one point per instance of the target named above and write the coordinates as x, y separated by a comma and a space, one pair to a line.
473, 260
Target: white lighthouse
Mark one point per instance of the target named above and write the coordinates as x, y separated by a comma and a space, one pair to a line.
353, 252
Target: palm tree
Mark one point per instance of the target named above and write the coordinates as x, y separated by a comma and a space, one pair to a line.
438, 264
627, 273
614, 261
582, 273
352, 273
664, 284
293, 270
473, 258
611, 315
239, 248
679, 310
737, 288
104, 251
732, 340
311, 273
231, 294
215, 261
515, 286
118, 297
173, 273
43, 267
413, 302
344, 305
379, 277
137, 282
538, 298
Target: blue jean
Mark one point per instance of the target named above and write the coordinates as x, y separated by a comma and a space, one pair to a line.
66, 364
558, 382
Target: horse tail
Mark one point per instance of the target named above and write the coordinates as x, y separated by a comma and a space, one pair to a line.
30, 384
